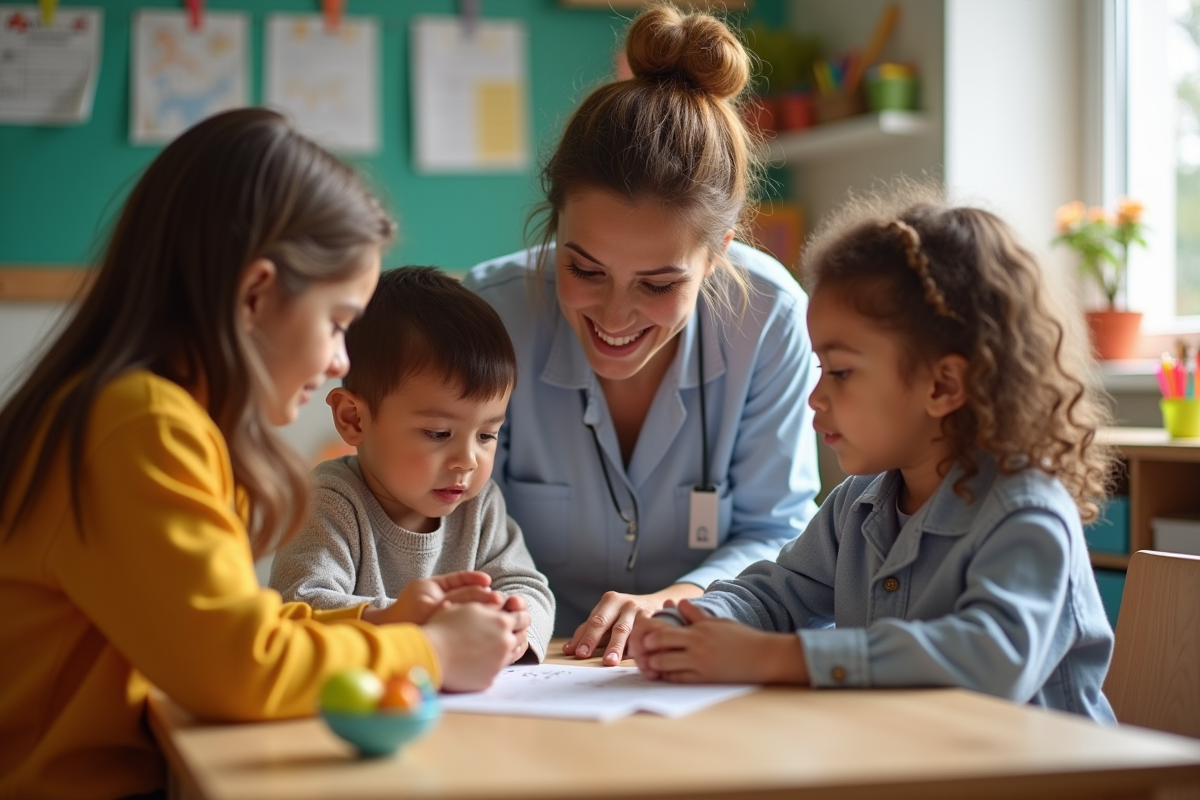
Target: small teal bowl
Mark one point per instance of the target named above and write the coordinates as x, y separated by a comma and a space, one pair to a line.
382, 733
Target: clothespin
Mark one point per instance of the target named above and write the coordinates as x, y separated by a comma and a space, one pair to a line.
48, 8
195, 14
332, 9
470, 11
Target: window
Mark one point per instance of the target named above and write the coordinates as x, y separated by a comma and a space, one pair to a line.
1152, 107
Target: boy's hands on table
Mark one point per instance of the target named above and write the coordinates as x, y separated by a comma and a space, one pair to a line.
712, 650
421, 599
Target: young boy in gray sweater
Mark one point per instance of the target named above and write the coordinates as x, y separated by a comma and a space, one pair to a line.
415, 518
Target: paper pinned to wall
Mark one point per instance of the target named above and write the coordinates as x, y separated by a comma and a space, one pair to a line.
327, 81
470, 91
596, 693
48, 73
182, 75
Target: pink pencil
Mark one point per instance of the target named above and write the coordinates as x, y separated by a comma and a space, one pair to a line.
1162, 382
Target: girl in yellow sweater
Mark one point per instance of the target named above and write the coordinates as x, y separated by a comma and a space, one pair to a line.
139, 476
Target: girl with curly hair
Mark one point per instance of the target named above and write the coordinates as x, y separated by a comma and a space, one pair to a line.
955, 397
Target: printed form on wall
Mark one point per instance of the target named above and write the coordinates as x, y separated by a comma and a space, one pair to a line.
183, 73
48, 72
470, 95
326, 78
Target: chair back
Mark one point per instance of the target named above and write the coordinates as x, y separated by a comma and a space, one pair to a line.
1154, 679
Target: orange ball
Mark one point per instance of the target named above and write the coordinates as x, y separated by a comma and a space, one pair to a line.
400, 694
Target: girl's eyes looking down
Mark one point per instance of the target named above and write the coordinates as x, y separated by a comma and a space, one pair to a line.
595, 275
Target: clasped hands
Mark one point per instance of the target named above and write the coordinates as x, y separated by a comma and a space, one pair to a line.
424, 599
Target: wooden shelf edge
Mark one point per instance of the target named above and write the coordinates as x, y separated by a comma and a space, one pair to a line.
45, 283
847, 136
1109, 561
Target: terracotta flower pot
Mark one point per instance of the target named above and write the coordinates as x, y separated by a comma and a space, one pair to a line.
1114, 333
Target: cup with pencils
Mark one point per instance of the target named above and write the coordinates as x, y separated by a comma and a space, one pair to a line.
1180, 407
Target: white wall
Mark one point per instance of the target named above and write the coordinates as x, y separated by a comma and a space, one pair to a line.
1015, 103
25, 326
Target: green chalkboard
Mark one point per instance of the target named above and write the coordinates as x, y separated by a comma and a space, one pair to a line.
60, 186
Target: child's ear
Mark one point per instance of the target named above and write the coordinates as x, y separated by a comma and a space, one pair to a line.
348, 413
949, 386
257, 280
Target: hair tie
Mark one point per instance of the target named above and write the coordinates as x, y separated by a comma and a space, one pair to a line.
911, 241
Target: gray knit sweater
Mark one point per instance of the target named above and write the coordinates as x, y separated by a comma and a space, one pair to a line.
350, 551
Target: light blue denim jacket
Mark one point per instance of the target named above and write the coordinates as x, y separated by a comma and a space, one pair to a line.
995, 595
759, 370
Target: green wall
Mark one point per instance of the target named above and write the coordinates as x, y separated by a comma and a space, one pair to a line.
59, 186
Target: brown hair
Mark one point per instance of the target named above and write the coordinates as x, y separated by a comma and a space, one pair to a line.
956, 280
422, 321
672, 135
236, 187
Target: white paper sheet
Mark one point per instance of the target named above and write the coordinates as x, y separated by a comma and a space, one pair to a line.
180, 75
470, 93
597, 693
327, 81
48, 74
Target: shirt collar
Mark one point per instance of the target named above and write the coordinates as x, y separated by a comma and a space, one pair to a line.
946, 513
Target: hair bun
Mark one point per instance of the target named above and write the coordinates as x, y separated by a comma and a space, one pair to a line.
664, 42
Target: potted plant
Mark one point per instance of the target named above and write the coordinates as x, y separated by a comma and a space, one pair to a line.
1102, 242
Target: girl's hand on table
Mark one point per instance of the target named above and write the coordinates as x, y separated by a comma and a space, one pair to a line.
613, 618
711, 650
515, 605
473, 642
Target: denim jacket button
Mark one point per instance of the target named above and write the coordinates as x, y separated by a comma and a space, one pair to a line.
891, 584
838, 674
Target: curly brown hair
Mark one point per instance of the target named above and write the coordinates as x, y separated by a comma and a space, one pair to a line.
955, 280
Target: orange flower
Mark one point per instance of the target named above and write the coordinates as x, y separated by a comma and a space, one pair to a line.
1096, 214
1129, 211
1068, 216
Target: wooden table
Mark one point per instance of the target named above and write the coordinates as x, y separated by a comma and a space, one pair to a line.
773, 743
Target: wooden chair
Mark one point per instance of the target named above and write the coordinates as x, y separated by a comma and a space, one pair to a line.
1154, 679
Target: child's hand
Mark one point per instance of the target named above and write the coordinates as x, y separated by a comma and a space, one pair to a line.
515, 604
473, 642
421, 598
711, 650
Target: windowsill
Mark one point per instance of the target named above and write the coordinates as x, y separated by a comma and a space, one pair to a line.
1130, 375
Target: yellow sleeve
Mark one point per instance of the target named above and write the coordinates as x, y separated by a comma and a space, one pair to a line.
163, 568
299, 610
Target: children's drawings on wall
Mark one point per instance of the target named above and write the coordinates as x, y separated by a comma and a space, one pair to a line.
470, 95
48, 73
571, 692
182, 75
326, 80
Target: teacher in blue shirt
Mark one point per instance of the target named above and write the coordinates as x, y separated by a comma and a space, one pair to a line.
659, 437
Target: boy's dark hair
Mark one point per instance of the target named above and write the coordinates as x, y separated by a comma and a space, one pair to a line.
421, 321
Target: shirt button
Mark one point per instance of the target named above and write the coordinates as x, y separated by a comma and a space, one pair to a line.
891, 584
838, 674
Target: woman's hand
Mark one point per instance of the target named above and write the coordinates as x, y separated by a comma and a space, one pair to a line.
711, 650
420, 599
612, 621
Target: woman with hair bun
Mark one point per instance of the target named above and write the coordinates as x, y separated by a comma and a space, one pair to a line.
659, 438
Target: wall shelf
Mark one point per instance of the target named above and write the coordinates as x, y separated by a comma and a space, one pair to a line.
847, 136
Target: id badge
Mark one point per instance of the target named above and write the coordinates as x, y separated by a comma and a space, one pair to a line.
703, 519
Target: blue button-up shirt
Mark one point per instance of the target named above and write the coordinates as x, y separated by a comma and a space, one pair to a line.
758, 372
996, 594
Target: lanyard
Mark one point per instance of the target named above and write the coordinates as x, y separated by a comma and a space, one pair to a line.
631, 522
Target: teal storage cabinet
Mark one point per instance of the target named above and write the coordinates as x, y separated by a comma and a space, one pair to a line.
1109, 533
1111, 583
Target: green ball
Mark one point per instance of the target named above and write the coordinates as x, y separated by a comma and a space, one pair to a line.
352, 691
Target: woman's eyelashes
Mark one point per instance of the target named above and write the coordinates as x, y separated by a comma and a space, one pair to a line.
591, 275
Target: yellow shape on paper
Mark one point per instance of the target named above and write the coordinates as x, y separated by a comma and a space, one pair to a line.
219, 45
300, 30
499, 127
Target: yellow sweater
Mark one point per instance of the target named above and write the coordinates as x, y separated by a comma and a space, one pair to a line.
159, 589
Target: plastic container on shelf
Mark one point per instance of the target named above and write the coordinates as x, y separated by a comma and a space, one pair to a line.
1179, 533
892, 87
